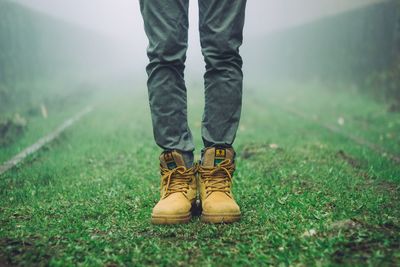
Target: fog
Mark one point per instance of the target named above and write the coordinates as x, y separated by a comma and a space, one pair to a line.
122, 20
91, 41
122, 23
317, 150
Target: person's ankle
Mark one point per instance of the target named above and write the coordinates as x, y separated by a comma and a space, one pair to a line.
217, 146
188, 156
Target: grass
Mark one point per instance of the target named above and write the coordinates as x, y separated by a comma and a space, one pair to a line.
312, 198
59, 105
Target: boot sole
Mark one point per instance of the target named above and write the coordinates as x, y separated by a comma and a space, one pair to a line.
170, 219
220, 218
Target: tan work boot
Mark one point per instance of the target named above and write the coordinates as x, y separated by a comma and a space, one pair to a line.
215, 178
178, 190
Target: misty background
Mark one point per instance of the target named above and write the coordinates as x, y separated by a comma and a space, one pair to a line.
121, 23
53, 50
318, 145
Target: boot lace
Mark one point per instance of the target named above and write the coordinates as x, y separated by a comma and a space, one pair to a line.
218, 178
176, 180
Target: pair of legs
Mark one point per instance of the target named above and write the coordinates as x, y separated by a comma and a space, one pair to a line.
221, 26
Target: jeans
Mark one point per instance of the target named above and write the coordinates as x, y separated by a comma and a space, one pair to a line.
221, 34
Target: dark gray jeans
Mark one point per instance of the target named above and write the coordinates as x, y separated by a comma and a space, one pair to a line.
221, 35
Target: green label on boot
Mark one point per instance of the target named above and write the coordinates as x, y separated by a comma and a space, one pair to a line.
169, 160
220, 154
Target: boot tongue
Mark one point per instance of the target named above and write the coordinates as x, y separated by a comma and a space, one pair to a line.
214, 155
171, 159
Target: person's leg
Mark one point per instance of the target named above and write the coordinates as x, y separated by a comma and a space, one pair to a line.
221, 35
166, 26
221, 27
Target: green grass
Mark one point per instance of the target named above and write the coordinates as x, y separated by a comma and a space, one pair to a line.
60, 104
315, 199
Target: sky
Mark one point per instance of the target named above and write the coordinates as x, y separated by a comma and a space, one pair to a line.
121, 19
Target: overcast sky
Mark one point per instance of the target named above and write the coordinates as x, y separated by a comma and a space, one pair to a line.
121, 18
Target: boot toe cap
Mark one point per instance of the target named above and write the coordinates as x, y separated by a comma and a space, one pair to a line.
172, 206
221, 207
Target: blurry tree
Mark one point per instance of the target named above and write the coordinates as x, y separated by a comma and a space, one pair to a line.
343, 48
386, 83
36, 50
43, 61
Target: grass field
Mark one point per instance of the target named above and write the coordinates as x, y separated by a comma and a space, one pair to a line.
309, 196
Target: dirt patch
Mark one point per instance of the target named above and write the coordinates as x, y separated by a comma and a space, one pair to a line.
4, 262
364, 240
11, 129
253, 150
16, 252
387, 186
353, 162
380, 186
